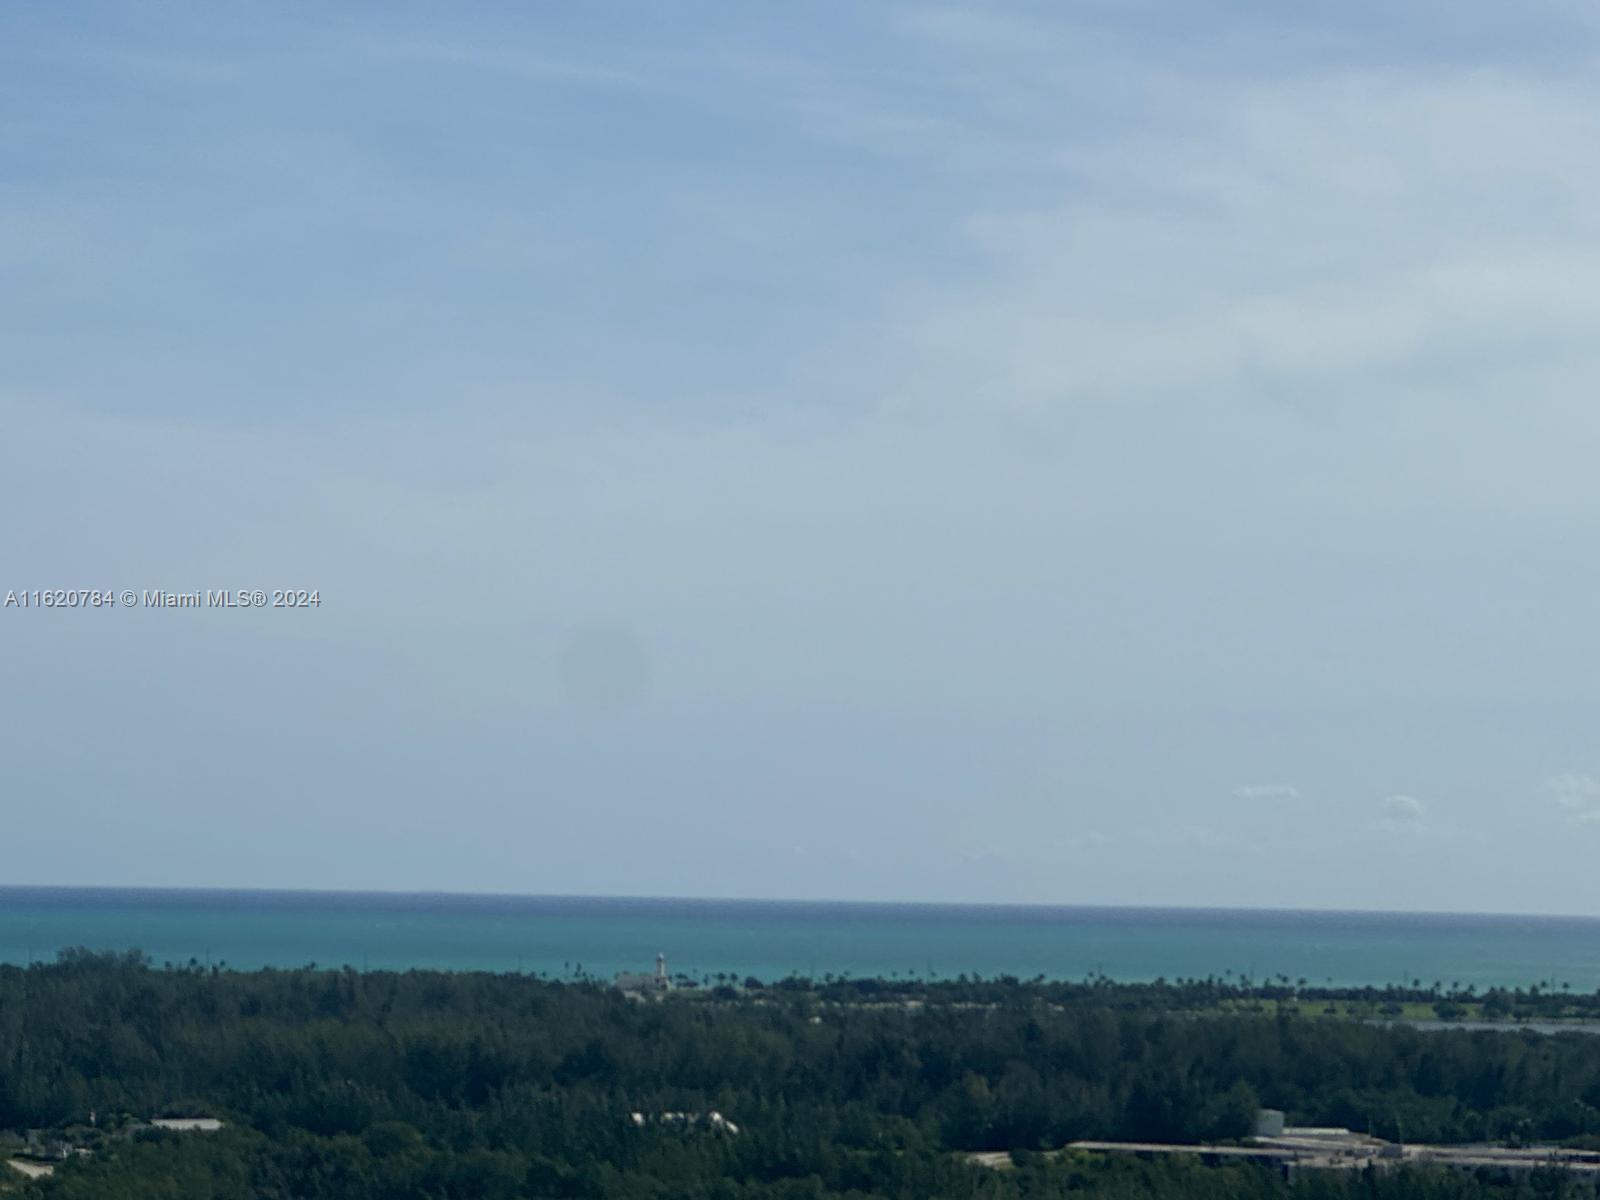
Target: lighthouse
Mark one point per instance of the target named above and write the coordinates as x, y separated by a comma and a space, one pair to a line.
641, 984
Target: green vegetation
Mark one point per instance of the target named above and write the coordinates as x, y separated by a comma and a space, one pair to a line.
457, 1086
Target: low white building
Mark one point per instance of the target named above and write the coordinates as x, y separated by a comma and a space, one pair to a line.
187, 1124
637, 983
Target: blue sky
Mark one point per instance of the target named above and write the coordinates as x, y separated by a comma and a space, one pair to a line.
1103, 453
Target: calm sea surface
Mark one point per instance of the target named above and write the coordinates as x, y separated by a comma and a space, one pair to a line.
771, 939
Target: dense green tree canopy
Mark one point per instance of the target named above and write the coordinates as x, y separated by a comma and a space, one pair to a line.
435, 1085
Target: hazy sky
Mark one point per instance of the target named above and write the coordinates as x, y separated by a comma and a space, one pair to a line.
1110, 452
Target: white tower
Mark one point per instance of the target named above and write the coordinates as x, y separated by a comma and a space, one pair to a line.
661, 970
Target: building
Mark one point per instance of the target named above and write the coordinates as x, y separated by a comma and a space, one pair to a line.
712, 1120
187, 1124
637, 984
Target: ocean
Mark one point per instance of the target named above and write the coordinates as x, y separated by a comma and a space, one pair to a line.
562, 936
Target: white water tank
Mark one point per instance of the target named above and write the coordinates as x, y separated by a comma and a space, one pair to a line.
1269, 1122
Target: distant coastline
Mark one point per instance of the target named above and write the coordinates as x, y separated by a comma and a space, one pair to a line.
769, 939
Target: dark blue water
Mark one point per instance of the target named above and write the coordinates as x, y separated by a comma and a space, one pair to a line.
770, 939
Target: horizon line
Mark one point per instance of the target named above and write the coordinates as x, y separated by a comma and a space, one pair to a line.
440, 893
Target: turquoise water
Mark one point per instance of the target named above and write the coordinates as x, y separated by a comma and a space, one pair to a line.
770, 939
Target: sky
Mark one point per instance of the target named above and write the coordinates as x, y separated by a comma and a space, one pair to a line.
1073, 453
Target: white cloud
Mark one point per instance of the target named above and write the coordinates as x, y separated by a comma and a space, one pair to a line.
1574, 790
1266, 791
1403, 808
1403, 814
1577, 793
1343, 226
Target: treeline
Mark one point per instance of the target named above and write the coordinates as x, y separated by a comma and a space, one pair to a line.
1452, 1001
246, 1166
437, 1085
